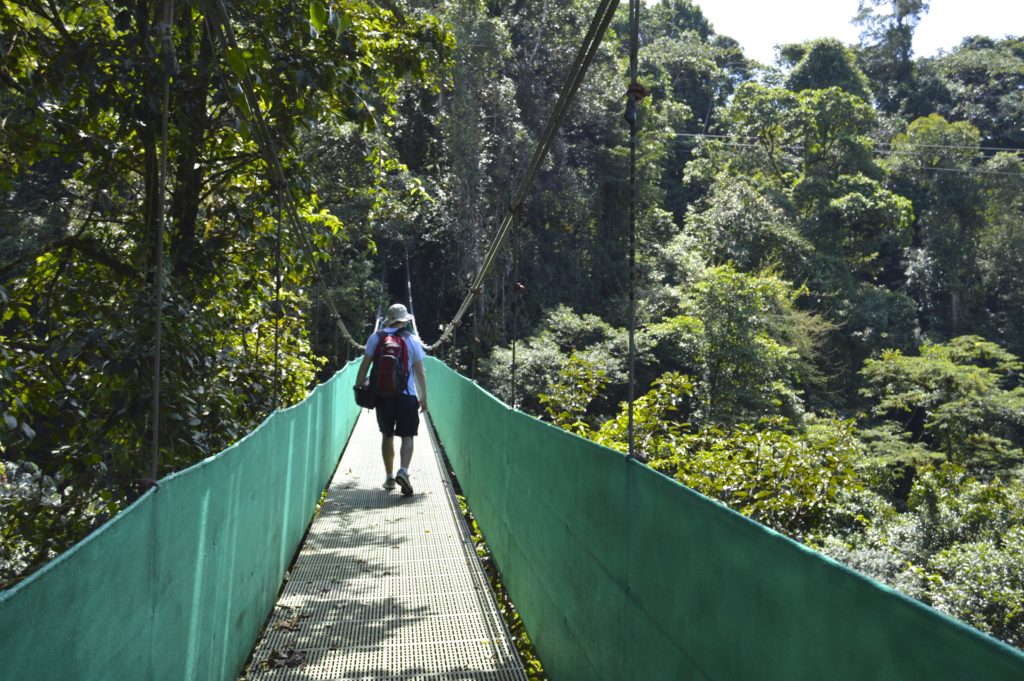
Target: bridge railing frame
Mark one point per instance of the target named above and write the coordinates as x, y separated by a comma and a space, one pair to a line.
179, 584
620, 572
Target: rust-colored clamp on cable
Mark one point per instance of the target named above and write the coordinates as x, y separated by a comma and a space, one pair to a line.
636, 91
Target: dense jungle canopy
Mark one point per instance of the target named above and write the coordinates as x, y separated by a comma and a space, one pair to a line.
830, 290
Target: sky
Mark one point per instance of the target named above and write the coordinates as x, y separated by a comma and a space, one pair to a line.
759, 25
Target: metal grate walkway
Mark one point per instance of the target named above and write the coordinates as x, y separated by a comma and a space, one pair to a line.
386, 586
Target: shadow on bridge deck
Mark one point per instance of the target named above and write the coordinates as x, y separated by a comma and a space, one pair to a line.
386, 586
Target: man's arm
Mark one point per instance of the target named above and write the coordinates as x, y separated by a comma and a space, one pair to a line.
364, 366
421, 384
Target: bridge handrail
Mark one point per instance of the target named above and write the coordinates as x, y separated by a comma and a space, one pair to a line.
178, 585
620, 572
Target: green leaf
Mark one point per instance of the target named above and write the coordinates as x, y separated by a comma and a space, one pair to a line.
236, 61
317, 15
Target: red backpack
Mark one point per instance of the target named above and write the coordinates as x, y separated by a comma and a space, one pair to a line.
390, 373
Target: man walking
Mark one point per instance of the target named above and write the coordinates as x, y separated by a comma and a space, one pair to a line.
396, 406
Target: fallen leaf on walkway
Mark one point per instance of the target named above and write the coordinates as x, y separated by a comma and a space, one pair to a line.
290, 658
291, 623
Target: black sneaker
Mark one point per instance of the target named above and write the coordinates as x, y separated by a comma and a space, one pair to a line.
403, 481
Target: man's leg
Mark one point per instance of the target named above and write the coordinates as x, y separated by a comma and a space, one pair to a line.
386, 423
387, 450
407, 423
402, 477
406, 452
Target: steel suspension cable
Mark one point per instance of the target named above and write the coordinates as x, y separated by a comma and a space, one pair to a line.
584, 57
633, 95
382, 302
408, 284
168, 64
316, 318
515, 300
277, 312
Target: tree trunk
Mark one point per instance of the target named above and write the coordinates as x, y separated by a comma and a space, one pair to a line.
192, 122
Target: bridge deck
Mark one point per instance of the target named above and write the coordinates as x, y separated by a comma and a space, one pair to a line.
386, 586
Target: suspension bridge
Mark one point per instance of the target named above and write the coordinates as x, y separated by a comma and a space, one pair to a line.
617, 571
282, 558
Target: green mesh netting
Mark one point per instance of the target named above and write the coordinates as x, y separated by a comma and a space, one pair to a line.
622, 573
179, 584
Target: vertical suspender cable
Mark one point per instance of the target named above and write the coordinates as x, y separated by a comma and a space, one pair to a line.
515, 296
384, 297
408, 283
316, 321
167, 60
633, 96
277, 311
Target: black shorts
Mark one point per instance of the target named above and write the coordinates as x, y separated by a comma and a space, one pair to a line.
399, 415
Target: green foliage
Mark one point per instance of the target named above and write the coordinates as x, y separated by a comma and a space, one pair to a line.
741, 225
957, 547
591, 346
982, 584
782, 476
537, 363
41, 515
670, 18
80, 401
966, 208
1000, 243
810, 161
79, 168
806, 196
956, 397
827, 63
890, 445
954, 507
657, 419
750, 350
757, 349
569, 394
980, 82
887, 36
929, 164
